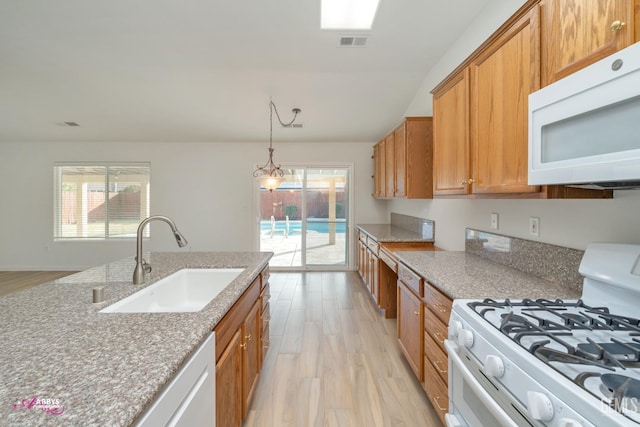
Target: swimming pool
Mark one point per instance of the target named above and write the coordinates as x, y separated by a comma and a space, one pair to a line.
317, 226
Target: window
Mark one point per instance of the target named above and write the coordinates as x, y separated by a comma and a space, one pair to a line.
100, 200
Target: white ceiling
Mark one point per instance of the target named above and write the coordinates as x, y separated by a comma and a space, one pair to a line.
196, 70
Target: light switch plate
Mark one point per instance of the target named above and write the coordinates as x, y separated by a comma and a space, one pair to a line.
494, 221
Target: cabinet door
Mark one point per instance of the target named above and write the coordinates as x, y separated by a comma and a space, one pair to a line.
400, 158
577, 33
390, 167
375, 283
502, 78
377, 179
381, 166
451, 136
410, 328
250, 356
418, 171
229, 384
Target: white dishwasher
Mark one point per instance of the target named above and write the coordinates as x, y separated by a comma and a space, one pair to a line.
189, 399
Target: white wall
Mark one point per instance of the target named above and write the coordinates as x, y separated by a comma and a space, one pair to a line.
572, 223
206, 188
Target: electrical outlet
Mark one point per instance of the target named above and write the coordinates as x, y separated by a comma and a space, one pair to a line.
534, 226
494, 221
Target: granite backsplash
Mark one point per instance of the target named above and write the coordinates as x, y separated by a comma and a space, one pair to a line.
550, 262
422, 226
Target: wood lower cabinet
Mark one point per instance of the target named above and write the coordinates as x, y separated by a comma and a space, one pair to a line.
437, 309
576, 33
387, 283
265, 315
251, 353
229, 384
239, 353
410, 327
378, 268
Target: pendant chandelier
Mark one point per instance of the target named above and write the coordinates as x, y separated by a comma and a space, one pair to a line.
270, 175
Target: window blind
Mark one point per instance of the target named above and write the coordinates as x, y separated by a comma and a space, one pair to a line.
100, 200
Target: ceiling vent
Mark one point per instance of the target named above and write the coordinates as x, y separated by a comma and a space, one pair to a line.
353, 41
71, 124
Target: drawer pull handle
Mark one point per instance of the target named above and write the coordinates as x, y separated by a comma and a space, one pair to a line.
438, 336
442, 308
438, 368
247, 337
243, 346
436, 400
417, 313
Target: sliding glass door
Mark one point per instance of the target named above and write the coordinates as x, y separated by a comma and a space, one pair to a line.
305, 220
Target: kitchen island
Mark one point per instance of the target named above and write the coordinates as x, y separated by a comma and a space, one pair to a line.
104, 368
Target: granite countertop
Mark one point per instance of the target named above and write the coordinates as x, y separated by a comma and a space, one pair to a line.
390, 233
103, 368
463, 275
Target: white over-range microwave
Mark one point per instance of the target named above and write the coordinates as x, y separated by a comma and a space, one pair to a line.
584, 130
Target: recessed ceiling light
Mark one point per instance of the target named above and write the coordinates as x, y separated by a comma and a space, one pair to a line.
347, 14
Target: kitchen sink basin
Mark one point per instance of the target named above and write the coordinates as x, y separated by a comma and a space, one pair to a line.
183, 291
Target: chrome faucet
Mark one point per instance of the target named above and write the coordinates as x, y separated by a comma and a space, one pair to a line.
142, 266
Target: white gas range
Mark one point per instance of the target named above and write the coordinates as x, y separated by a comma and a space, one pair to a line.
552, 362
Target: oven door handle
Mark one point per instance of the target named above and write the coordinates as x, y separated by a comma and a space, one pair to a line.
487, 400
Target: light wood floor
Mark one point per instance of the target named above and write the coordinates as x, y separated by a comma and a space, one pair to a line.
334, 360
12, 281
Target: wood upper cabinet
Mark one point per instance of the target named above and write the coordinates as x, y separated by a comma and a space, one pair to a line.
400, 160
576, 33
389, 168
451, 136
501, 79
406, 167
379, 170
414, 158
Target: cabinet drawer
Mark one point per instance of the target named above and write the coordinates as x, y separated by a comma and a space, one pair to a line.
265, 296
409, 278
389, 260
435, 328
264, 277
438, 302
265, 314
373, 245
436, 357
436, 390
265, 340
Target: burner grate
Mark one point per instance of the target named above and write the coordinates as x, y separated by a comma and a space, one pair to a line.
551, 321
